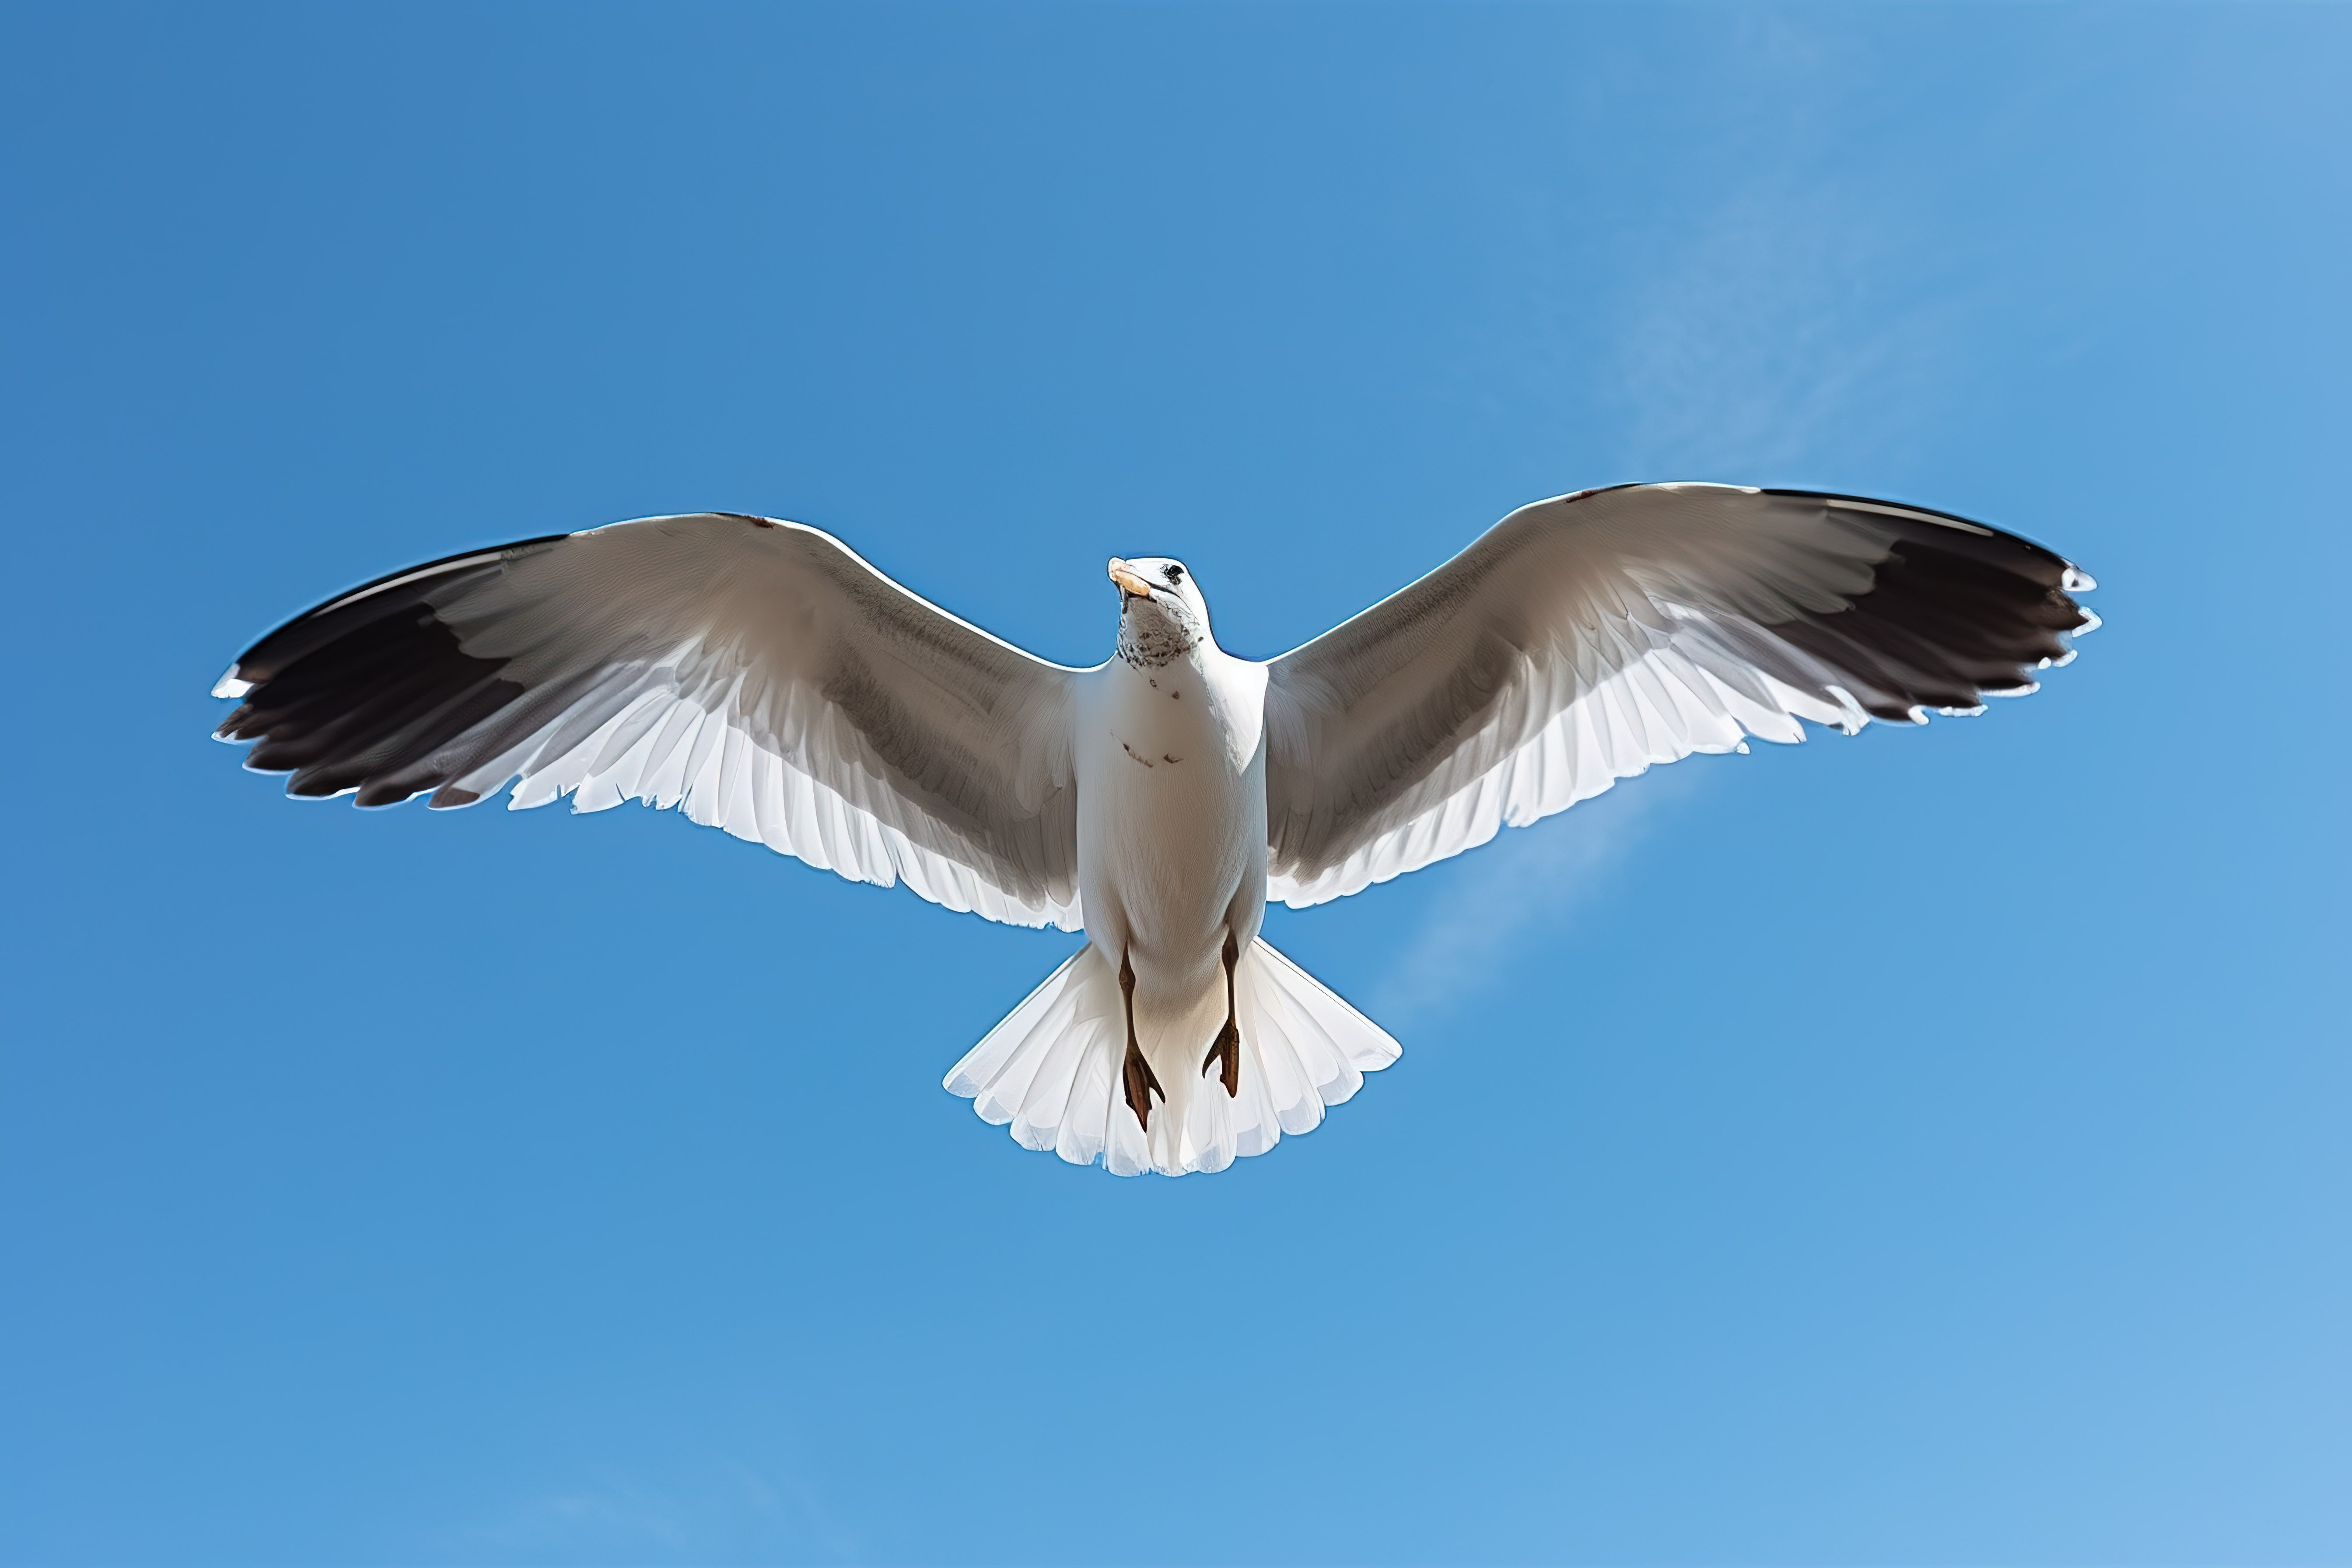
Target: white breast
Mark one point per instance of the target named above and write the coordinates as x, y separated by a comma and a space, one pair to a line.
1171, 816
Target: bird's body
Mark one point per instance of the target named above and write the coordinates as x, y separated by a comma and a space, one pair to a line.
1171, 759
1172, 813
763, 678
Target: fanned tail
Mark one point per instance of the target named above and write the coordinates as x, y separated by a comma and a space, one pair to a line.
1051, 1070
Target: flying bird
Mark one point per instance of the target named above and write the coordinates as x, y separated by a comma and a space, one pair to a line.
761, 675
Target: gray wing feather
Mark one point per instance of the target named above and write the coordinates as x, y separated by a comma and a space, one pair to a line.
1583, 639
756, 672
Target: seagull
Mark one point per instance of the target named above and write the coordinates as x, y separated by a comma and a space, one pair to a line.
763, 677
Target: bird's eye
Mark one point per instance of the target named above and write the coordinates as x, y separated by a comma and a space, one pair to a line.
1174, 574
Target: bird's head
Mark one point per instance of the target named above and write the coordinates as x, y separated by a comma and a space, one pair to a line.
1159, 605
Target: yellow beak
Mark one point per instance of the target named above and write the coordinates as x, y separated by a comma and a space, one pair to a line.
1130, 582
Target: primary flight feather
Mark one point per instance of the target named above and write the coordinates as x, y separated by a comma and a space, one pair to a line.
762, 677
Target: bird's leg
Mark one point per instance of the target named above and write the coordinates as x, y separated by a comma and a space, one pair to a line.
1143, 1083
1229, 1039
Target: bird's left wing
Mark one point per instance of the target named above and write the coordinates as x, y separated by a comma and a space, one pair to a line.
757, 672
1583, 639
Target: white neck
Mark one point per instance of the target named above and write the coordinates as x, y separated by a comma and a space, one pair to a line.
1151, 638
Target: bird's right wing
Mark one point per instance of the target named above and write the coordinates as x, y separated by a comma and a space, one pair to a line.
756, 671
1583, 639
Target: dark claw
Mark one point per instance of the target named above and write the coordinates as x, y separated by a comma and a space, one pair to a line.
1143, 1083
1229, 1038
1229, 1049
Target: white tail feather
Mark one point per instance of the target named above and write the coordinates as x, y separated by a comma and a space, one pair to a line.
1051, 1070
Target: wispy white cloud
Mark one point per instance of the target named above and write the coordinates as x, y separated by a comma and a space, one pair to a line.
1529, 883
1797, 329
1786, 326
731, 1509
1780, 305
597, 1519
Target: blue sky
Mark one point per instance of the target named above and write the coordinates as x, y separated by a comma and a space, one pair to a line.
1929, 1147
